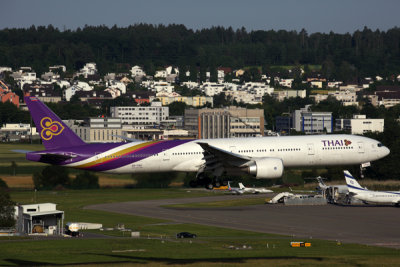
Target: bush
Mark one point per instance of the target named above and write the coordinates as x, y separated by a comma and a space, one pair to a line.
6, 210
154, 180
85, 180
51, 177
3, 185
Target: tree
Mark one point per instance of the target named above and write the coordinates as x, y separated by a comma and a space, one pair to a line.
177, 108
6, 209
13, 168
3, 185
85, 180
51, 176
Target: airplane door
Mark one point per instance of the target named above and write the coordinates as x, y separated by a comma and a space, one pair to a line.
310, 149
166, 156
360, 147
311, 153
97, 155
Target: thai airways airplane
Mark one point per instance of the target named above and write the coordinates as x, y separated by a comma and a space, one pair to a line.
368, 196
263, 157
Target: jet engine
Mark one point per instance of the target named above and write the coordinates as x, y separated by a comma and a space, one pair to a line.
266, 168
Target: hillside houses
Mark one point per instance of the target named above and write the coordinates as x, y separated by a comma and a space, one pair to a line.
86, 84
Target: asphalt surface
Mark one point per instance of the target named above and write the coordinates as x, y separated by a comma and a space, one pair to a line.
377, 226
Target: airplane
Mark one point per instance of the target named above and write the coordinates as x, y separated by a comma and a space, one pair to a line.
368, 196
262, 157
254, 190
235, 190
340, 189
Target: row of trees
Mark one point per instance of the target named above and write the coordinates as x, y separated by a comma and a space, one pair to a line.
55, 176
342, 56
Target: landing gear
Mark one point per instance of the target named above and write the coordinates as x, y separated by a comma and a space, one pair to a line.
208, 183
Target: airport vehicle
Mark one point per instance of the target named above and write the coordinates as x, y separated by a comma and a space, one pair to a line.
262, 157
279, 198
254, 190
185, 235
368, 196
72, 228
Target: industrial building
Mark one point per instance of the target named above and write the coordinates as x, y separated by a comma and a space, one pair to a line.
224, 122
311, 122
41, 218
359, 124
97, 130
140, 115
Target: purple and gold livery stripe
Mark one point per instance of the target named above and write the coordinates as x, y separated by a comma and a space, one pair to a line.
131, 155
117, 155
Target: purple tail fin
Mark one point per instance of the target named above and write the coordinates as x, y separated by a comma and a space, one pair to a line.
52, 130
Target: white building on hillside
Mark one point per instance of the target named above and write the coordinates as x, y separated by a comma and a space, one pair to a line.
348, 98
115, 84
309, 122
137, 71
152, 115
359, 124
212, 89
88, 69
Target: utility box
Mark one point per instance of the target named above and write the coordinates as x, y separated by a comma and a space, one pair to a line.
135, 234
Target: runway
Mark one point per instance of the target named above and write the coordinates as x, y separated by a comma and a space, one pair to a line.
364, 225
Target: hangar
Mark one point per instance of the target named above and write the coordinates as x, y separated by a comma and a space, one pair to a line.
41, 218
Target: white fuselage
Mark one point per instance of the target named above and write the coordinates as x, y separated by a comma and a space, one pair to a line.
378, 197
294, 151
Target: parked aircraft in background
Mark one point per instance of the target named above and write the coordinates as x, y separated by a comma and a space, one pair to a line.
254, 190
235, 190
262, 157
341, 189
368, 196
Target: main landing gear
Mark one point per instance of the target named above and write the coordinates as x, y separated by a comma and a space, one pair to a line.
208, 183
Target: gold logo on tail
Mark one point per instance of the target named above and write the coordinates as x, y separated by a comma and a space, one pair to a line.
50, 128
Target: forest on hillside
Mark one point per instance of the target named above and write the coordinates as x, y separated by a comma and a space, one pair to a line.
342, 56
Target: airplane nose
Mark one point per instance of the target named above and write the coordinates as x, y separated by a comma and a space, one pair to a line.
386, 151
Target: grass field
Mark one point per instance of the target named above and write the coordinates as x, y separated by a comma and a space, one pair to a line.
158, 245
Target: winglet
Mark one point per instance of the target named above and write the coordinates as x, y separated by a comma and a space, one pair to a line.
53, 131
241, 186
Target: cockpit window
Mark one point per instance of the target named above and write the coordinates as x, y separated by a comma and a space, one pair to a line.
380, 145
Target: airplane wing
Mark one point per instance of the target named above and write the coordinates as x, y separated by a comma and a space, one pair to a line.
219, 161
223, 154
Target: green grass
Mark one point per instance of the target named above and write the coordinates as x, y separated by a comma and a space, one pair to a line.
158, 245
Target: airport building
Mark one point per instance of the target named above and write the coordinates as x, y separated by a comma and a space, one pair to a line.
311, 122
139, 115
224, 122
41, 218
359, 124
97, 130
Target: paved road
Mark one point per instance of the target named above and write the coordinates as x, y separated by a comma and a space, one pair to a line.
365, 225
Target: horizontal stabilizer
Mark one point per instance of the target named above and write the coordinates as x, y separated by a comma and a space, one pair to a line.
21, 151
45, 157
